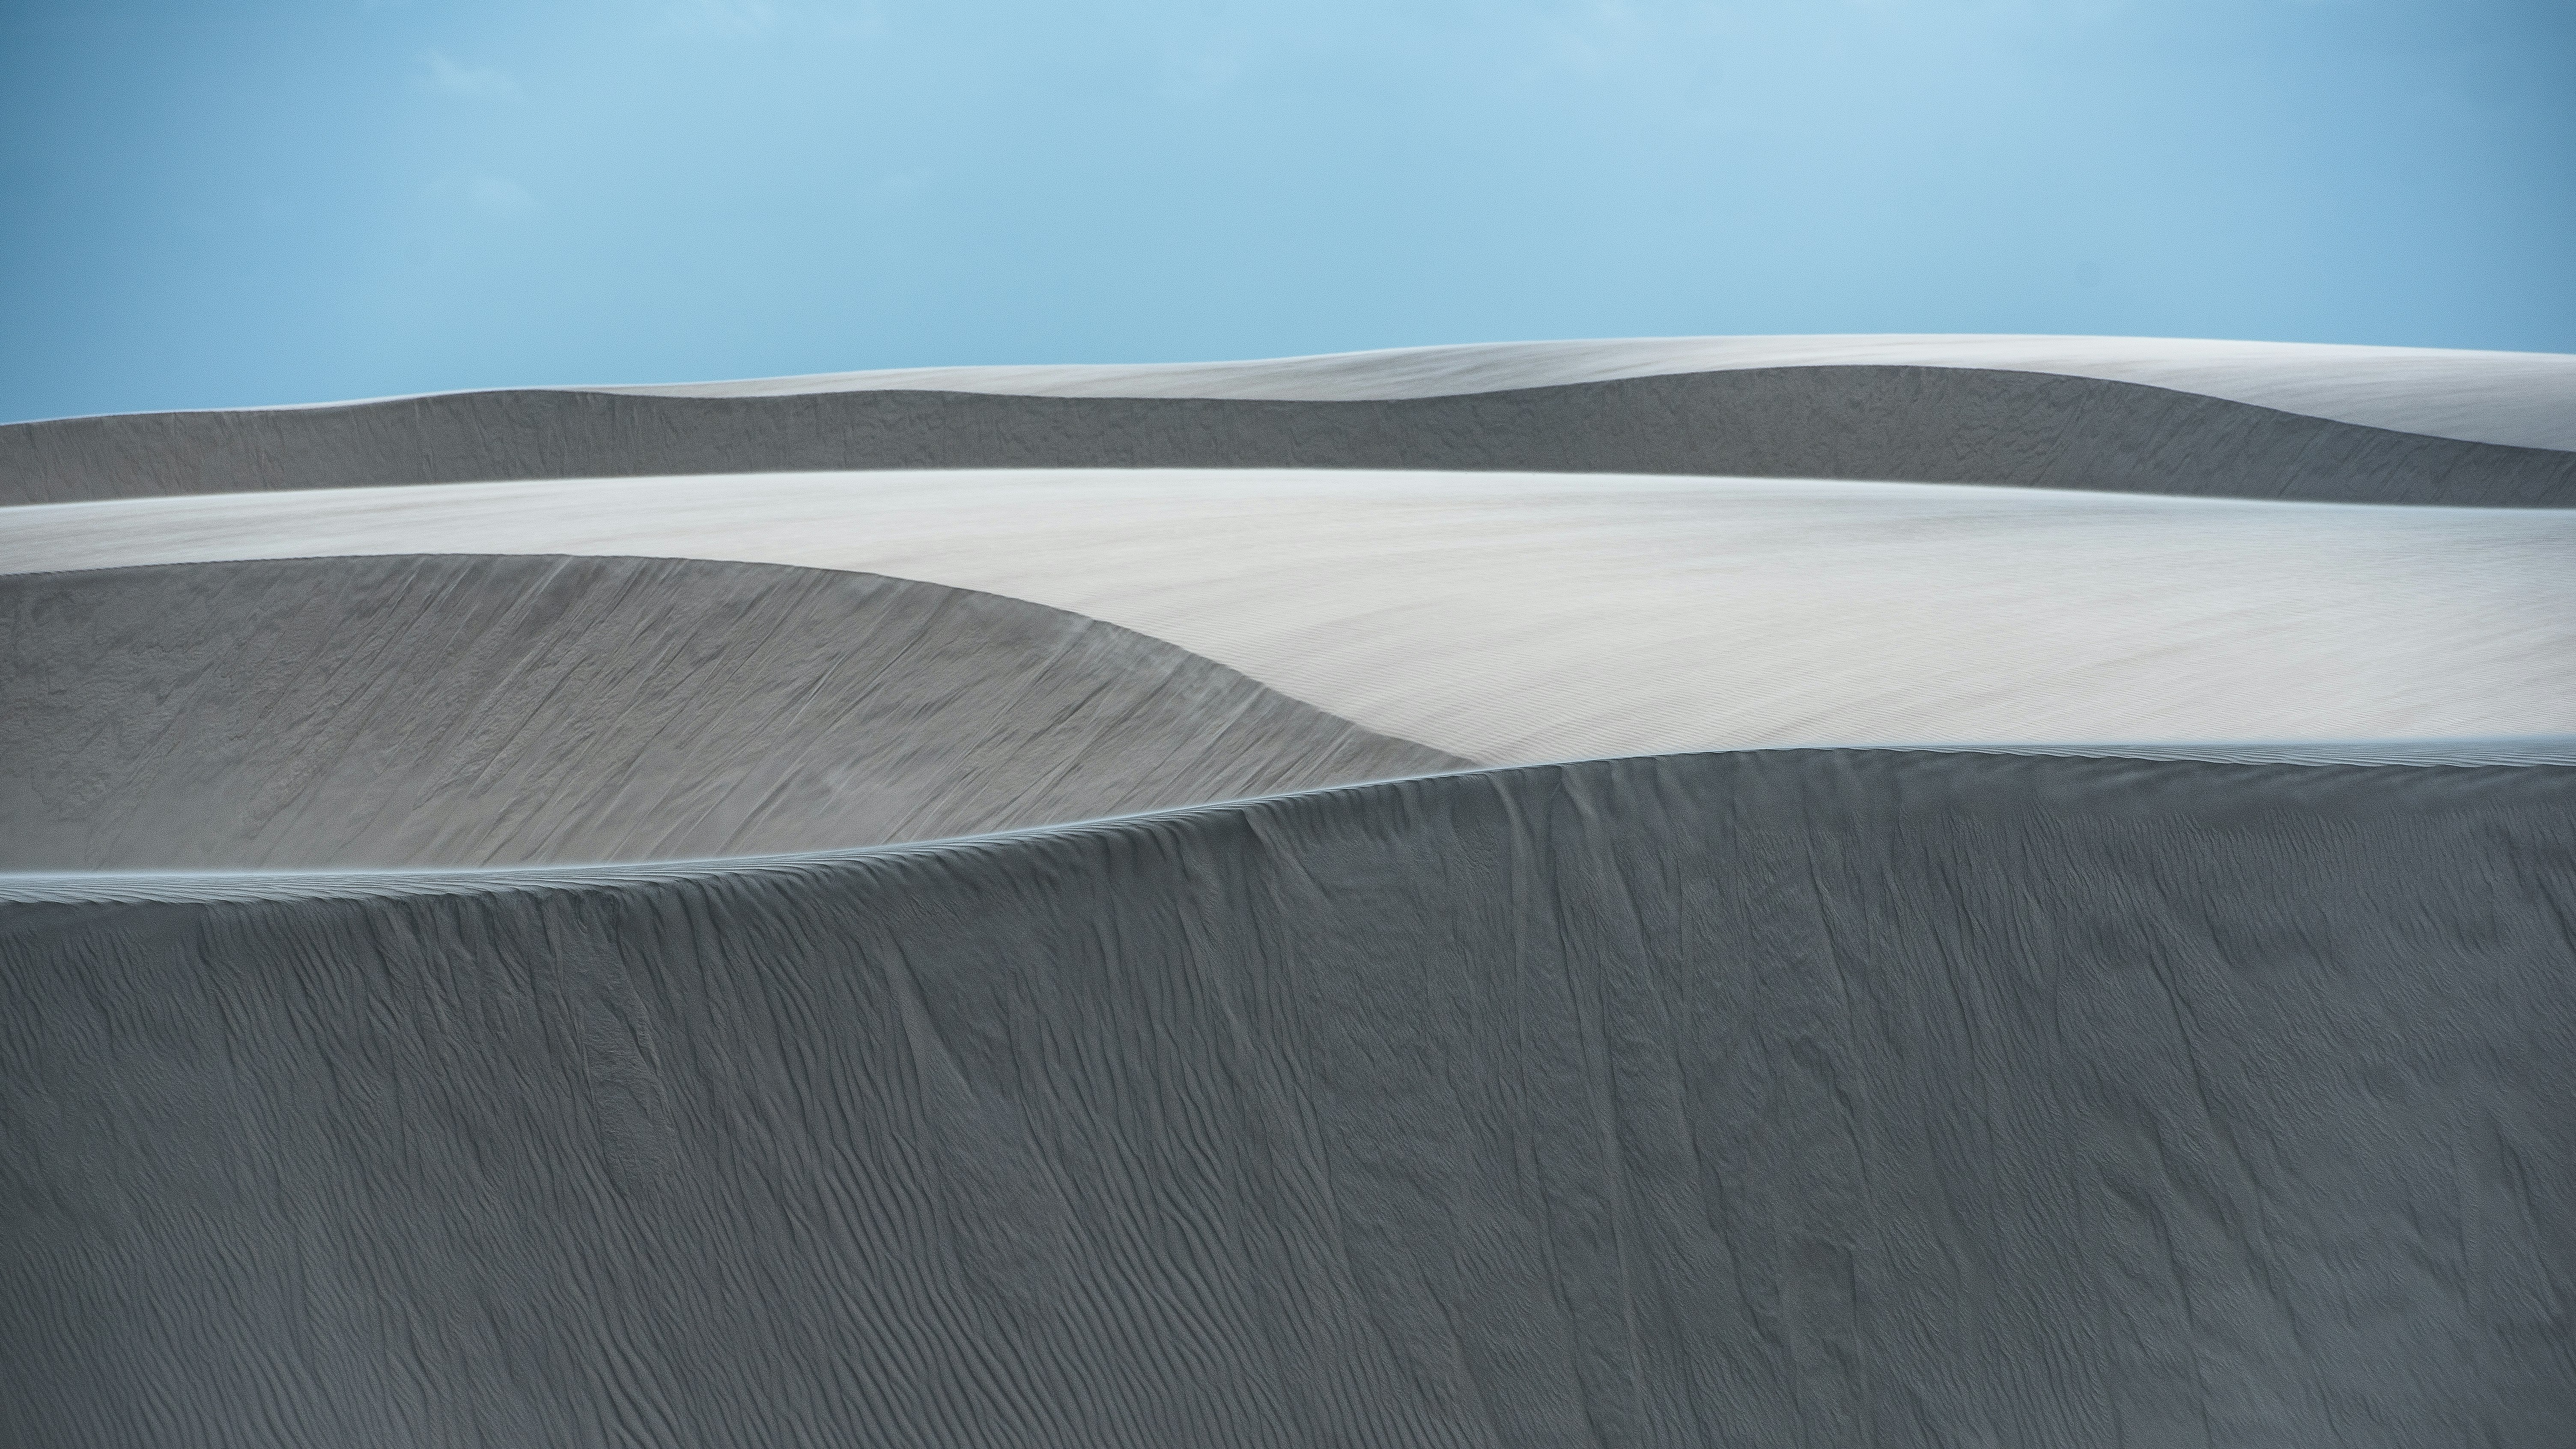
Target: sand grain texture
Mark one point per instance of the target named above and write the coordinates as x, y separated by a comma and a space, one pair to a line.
1798, 1099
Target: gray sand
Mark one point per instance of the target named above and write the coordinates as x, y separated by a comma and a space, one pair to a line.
1793, 1099
469, 711
1915, 424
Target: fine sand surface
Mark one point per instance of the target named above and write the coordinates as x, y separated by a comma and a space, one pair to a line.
1860, 421
1506, 618
476, 711
1813, 1099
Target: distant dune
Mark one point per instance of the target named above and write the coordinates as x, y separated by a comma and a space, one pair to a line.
2515, 398
1881, 891
2364, 425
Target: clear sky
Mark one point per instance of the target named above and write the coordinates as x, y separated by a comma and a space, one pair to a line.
261, 201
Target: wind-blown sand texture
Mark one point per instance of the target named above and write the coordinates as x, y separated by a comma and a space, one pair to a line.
2179, 1054
1807, 1098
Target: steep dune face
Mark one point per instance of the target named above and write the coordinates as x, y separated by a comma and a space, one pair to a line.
1909, 423
1812, 1098
394, 711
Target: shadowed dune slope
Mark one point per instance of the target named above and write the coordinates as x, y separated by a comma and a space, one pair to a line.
1783, 1099
1907, 423
482, 710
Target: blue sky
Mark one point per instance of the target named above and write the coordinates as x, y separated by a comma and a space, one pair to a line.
290, 200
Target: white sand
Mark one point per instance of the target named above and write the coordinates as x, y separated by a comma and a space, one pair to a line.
1516, 617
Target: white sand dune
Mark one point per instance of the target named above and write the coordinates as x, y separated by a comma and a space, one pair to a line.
1509, 618
2525, 399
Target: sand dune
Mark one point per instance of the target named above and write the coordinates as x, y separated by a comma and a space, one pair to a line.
1815, 1099
2523, 399
1865, 422
2174, 1045
2520, 399
473, 711
1515, 618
